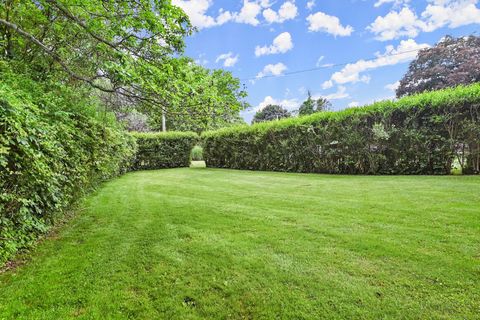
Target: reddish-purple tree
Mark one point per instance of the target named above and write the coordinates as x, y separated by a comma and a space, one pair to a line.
451, 62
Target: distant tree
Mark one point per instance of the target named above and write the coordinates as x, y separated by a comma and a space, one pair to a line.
451, 62
271, 112
307, 107
322, 104
311, 105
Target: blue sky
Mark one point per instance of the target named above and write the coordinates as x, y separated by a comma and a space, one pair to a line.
257, 38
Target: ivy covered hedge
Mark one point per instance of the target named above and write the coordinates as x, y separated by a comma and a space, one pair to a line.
54, 147
420, 134
157, 150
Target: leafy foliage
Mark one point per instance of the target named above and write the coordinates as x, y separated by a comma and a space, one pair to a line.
270, 113
420, 134
201, 99
453, 61
54, 147
127, 51
163, 150
311, 106
115, 46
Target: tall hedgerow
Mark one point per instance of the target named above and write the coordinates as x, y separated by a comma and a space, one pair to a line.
163, 150
55, 145
420, 134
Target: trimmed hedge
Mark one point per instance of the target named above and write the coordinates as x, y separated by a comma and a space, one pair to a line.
158, 150
51, 154
420, 134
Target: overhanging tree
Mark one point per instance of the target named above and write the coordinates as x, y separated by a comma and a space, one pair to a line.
123, 49
116, 46
201, 99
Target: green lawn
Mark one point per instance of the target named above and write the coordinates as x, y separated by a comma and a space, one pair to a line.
219, 244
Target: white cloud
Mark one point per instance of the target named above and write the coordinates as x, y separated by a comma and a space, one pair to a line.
281, 44
289, 104
395, 2
450, 13
249, 12
340, 94
437, 14
287, 11
229, 60
396, 24
310, 4
320, 59
197, 9
353, 104
351, 73
327, 84
329, 24
393, 86
272, 70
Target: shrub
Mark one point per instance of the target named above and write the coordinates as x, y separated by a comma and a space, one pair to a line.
163, 150
420, 134
197, 153
54, 147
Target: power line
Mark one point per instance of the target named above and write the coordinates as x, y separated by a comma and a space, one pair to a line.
326, 66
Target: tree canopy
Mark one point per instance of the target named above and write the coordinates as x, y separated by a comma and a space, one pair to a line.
206, 99
127, 51
451, 62
311, 105
271, 112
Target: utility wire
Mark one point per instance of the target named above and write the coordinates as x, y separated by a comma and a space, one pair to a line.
328, 66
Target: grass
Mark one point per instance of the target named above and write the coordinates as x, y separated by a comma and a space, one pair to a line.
201, 243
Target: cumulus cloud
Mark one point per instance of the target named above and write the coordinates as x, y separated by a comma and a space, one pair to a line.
310, 4
251, 9
396, 24
249, 12
351, 73
393, 86
197, 11
272, 70
289, 104
395, 2
321, 22
229, 59
437, 14
287, 11
340, 94
281, 44
353, 104
453, 14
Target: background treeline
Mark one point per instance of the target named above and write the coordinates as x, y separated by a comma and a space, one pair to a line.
420, 134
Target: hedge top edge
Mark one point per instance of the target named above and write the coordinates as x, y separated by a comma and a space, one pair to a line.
164, 135
457, 95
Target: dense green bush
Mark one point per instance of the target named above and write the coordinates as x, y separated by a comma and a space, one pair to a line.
163, 150
420, 134
54, 147
197, 153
